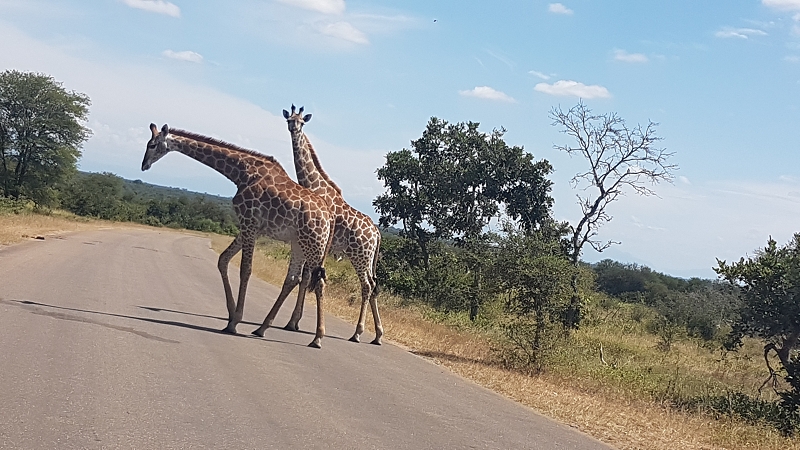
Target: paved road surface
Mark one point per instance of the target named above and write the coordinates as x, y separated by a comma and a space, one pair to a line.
109, 339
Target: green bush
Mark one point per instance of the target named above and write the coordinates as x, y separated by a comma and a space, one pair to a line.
14, 206
107, 196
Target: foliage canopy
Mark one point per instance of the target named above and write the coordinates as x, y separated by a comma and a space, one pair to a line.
770, 288
41, 133
455, 179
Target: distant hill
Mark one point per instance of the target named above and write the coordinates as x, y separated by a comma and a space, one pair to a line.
149, 191
108, 196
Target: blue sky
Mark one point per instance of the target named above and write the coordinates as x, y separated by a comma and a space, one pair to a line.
721, 78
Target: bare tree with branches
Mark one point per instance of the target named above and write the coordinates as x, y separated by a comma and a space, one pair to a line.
620, 158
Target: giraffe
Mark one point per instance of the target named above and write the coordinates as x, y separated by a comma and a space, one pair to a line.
355, 235
267, 202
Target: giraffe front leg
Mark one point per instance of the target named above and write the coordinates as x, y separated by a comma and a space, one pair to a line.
297, 313
288, 284
293, 278
318, 280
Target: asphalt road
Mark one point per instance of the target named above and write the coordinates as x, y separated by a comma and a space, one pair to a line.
108, 339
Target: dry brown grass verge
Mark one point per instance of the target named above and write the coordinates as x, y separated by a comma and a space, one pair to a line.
16, 228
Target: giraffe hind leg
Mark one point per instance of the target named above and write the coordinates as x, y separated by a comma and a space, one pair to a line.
365, 294
373, 303
245, 269
222, 264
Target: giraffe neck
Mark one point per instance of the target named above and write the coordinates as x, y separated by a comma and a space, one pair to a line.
309, 171
228, 162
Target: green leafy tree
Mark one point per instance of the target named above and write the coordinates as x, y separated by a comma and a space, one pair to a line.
455, 179
41, 133
770, 289
447, 187
769, 283
620, 158
533, 272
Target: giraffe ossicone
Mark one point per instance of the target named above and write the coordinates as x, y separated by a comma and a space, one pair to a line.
267, 203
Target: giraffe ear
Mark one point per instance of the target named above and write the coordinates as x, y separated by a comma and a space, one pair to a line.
165, 130
285, 114
307, 118
154, 129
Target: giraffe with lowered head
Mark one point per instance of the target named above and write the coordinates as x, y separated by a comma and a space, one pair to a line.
267, 203
355, 235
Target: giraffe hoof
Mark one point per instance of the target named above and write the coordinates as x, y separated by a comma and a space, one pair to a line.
228, 330
291, 327
376, 341
355, 338
258, 332
315, 344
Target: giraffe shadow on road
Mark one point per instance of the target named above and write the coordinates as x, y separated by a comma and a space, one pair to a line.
156, 309
207, 316
56, 312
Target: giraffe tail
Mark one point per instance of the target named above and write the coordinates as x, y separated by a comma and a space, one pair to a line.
375, 258
317, 275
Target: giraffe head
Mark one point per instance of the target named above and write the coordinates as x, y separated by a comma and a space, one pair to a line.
296, 120
156, 146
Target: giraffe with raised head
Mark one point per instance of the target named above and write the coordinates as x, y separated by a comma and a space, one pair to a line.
267, 203
355, 235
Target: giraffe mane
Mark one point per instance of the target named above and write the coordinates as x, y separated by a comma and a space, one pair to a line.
220, 143
321, 171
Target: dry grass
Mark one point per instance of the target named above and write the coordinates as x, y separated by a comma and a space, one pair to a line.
607, 408
16, 228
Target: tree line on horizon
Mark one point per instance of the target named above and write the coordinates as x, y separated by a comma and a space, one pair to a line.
523, 273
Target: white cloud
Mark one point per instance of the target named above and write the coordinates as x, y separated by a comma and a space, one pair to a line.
487, 93
345, 31
784, 5
186, 55
539, 74
684, 180
558, 8
740, 33
502, 58
622, 55
323, 6
639, 224
156, 6
574, 89
791, 59
320, 32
